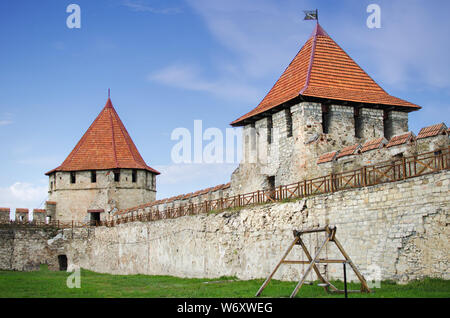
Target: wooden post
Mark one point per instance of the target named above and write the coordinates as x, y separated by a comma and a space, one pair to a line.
364, 286
310, 266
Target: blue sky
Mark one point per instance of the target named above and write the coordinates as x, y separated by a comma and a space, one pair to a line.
171, 62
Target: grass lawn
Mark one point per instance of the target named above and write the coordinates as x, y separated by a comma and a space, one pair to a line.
45, 283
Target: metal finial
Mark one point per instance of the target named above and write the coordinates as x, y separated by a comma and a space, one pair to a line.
108, 93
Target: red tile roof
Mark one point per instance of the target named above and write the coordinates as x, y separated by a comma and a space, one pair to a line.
5, 209
327, 157
322, 69
373, 144
105, 145
19, 210
39, 211
347, 151
431, 131
51, 202
400, 139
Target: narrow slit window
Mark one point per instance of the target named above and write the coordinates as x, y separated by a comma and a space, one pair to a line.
358, 122
325, 118
73, 177
94, 176
134, 176
117, 175
288, 122
269, 129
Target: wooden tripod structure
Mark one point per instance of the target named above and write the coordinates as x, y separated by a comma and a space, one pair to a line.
314, 260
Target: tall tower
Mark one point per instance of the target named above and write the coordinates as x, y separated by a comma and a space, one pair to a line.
103, 173
323, 101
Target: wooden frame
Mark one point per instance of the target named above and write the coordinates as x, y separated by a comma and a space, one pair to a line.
314, 260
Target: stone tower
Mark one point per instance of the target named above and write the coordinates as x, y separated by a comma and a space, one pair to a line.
103, 173
322, 102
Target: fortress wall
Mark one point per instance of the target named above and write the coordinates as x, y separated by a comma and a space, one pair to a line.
25, 248
397, 229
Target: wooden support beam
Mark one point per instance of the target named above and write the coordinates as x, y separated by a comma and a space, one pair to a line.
310, 267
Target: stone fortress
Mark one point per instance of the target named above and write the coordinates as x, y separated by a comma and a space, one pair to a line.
323, 116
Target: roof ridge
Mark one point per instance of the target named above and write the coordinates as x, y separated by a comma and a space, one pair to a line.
112, 132
311, 59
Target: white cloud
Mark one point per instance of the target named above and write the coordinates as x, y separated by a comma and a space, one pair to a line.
23, 195
189, 77
5, 122
141, 6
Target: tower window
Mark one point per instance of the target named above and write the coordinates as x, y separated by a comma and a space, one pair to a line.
73, 178
134, 176
387, 125
325, 118
358, 122
116, 175
94, 176
288, 122
269, 129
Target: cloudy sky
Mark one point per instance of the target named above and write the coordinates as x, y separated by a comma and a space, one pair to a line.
169, 63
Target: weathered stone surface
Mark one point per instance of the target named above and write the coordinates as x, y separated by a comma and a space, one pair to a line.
400, 228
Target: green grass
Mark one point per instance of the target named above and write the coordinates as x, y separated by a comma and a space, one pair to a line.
45, 283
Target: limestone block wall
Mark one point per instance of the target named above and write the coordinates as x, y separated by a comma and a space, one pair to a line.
74, 199
399, 230
21, 215
300, 134
5, 214
26, 248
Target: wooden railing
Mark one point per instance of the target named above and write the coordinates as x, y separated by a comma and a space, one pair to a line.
396, 170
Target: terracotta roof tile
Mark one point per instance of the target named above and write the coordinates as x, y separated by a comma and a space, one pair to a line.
5, 210
431, 131
400, 139
105, 145
327, 157
322, 69
347, 151
374, 144
20, 210
50, 202
39, 211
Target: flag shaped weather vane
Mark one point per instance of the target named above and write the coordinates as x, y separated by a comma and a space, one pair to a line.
311, 15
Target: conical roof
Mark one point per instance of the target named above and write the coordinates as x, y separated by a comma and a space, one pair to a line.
105, 145
322, 69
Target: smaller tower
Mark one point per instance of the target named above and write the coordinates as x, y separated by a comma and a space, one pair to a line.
103, 173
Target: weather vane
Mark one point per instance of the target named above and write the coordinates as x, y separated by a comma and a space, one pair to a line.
311, 15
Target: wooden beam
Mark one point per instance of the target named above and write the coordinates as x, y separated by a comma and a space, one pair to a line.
310, 267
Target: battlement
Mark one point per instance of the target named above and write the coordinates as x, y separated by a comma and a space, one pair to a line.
381, 149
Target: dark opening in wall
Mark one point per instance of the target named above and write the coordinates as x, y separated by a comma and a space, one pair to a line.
73, 177
116, 175
288, 122
271, 186
134, 176
269, 129
325, 118
387, 125
95, 218
358, 122
94, 176
62, 261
